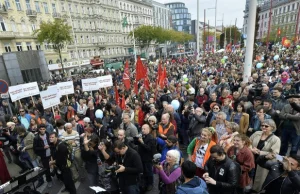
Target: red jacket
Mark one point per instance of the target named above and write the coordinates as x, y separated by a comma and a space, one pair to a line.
141, 116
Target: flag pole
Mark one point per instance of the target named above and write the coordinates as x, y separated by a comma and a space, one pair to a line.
250, 40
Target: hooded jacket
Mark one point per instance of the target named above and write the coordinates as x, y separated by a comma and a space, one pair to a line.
194, 186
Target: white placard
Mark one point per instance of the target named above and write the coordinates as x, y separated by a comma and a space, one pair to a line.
57, 88
30, 89
90, 84
66, 88
5, 95
50, 97
105, 81
15, 92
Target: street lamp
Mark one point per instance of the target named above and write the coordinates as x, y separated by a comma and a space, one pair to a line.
215, 8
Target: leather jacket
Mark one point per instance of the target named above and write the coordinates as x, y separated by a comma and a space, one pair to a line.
226, 174
291, 184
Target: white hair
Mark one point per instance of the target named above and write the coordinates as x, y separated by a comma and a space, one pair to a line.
68, 124
175, 154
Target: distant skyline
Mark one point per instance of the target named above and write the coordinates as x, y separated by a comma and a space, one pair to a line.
232, 9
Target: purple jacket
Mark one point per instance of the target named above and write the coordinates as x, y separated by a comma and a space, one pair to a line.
168, 179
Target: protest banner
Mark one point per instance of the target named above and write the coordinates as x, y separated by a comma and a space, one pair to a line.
90, 84
15, 92
105, 81
66, 88
57, 88
50, 97
30, 89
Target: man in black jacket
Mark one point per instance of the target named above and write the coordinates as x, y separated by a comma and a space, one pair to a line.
146, 149
197, 122
59, 158
41, 148
222, 174
130, 166
100, 128
283, 177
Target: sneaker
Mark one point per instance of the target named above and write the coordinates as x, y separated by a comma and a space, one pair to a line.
49, 185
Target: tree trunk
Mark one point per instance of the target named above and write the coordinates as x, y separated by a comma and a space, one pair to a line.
61, 62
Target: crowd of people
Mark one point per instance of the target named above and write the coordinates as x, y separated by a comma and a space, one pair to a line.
225, 136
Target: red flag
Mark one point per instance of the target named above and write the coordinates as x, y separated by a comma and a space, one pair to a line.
136, 88
162, 78
283, 40
123, 104
126, 78
278, 31
159, 71
146, 80
117, 96
140, 71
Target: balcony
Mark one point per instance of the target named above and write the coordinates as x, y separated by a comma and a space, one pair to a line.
31, 13
3, 9
56, 15
6, 35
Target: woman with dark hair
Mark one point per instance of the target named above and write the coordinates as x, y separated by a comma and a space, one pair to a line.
240, 117
212, 115
33, 127
89, 155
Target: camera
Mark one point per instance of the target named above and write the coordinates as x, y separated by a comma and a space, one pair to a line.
136, 138
156, 159
256, 90
111, 169
155, 127
110, 135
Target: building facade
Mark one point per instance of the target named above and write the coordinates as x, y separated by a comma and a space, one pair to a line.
284, 19
181, 18
161, 15
96, 27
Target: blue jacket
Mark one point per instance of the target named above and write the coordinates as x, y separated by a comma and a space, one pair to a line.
194, 186
165, 149
27, 116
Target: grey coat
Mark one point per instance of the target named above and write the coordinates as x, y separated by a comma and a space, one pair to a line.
130, 131
290, 114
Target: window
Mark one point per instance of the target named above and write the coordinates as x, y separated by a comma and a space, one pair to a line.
88, 39
28, 46
76, 8
45, 4
7, 47
18, 5
28, 5
33, 27
38, 47
53, 8
62, 6
30, 75
19, 46
7, 4
37, 6
13, 26
82, 39
3, 26
70, 7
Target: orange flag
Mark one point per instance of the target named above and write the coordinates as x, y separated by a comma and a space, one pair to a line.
123, 104
140, 70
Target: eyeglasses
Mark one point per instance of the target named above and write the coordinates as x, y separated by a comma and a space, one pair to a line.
151, 121
216, 108
266, 126
21, 111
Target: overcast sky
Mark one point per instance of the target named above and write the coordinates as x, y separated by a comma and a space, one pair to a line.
232, 9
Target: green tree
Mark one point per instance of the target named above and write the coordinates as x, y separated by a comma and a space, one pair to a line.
205, 35
234, 36
144, 35
56, 33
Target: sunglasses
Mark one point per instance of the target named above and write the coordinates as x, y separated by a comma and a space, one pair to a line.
21, 111
151, 121
266, 126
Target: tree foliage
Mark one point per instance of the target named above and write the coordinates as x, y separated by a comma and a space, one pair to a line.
57, 33
235, 35
145, 35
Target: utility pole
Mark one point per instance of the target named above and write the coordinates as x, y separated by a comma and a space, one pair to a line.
250, 40
198, 30
215, 42
208, 35
234, 42
204, 39
269, 24
297, 26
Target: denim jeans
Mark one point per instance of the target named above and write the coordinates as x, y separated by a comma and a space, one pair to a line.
289, 135
131, 189
93, 179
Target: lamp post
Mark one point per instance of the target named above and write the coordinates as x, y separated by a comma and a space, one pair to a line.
215, 41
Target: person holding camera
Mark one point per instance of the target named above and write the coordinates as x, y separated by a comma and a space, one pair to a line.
192, 183
284, 173
169, 172
129, 167
152, 121
146, 149
130, 129
197, 122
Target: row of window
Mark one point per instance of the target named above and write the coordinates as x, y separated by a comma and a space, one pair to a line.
175, 5
281, 10
181, 16
185, 10
135, 8
279, 20
19, 47
182, 22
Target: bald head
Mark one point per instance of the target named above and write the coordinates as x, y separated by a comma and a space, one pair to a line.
121, 134
165, 118
145, 129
